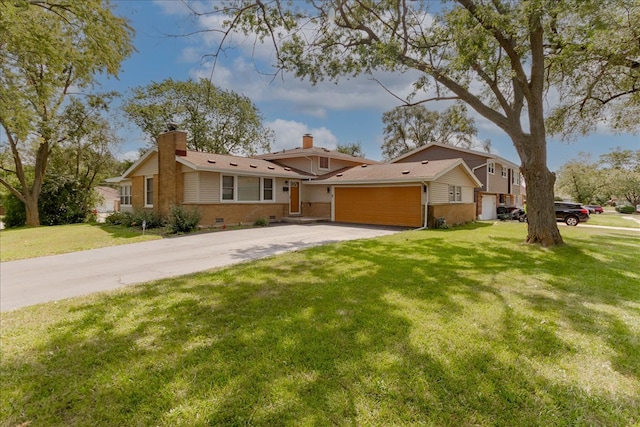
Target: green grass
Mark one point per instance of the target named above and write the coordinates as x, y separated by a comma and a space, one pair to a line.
458, 327
20, 243
614, 219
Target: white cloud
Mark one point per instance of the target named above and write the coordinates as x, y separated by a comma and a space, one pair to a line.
289, 135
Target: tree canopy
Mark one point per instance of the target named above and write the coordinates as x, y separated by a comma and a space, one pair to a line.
217, 121
501, 57
614, 175
49, 52
353, 149
409, 127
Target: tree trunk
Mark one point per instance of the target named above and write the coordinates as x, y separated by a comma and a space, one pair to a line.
541, 217
33, 216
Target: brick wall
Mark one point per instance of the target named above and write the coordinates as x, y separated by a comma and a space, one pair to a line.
458, 213
239, 213
316, 210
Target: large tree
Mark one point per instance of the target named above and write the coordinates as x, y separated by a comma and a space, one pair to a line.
49, 50
500, 57
217, 121
615, 174
583, 180
622, 168
409, 127
86, 156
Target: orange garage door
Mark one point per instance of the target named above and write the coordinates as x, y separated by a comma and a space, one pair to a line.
379, 205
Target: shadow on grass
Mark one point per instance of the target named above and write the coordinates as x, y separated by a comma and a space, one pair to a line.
414, 329
121, 232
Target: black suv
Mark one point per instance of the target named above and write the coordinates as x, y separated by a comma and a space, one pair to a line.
571, 213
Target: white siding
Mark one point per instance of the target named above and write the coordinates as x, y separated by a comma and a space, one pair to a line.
209, 187
438, 193
456, 176
317, 194
149, 167
191, 184
281, 196
467, 194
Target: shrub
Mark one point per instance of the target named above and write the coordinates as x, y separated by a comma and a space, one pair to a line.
261, 222
151, 219
625, 209
182, 220
15, 214
119, 218
65, 200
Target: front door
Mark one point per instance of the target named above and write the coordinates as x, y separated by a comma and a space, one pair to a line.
294, 197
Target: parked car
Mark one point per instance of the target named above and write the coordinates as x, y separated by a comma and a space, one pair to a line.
594, 209
571, 213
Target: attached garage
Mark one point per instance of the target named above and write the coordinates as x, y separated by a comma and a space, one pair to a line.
488, 207
379, 205
399, 193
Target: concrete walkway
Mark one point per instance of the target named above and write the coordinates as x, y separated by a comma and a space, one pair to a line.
32, 281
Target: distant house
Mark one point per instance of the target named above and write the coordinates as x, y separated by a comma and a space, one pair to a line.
501, 181
108, 199
303, 182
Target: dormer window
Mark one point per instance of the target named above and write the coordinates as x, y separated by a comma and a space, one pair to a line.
323, 162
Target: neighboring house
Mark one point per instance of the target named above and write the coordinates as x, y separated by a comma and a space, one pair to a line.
108, 200
308, 182
501, 180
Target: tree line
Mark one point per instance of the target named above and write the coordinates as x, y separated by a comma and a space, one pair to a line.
613, 177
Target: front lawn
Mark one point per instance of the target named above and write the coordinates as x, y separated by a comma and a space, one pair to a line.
25, 242
458, 327
614, 219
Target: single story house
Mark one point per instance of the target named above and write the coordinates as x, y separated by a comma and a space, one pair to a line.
502, 184
308, 181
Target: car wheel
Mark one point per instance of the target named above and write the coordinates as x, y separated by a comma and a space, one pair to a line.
571, 220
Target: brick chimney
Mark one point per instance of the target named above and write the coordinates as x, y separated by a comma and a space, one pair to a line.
170, 144
307, 141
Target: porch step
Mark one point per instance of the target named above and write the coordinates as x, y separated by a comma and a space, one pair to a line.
302, 220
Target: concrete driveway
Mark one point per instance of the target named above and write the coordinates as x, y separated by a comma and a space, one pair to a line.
37, 280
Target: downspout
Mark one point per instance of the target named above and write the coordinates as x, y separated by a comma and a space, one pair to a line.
426, 206
477, 194
311, 160
486, 173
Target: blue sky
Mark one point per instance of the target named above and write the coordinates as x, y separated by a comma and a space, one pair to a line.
342, 113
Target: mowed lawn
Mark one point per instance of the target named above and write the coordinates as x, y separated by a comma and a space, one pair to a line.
29, 242
458, 327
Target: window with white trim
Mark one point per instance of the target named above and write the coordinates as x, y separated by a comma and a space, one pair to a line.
515, 178
323, 163
243, 188
455, 193
504, 172
491, 167
148, 191
125, 195
267, 189
228, 187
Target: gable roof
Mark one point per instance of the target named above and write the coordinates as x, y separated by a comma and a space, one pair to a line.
430, 145
396, 173
313, 151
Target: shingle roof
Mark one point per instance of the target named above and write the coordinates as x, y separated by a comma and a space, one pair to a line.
247, 165
313, 151
394, 172
459, 149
